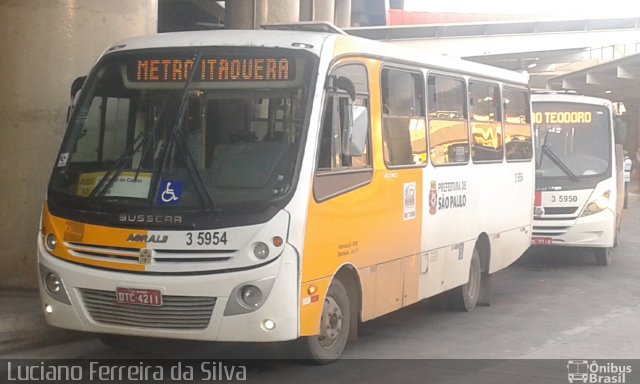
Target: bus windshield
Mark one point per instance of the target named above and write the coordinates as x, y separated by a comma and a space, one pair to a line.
572, 140
189, 129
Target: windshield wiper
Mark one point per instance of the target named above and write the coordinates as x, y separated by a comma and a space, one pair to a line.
178, 142
556, 160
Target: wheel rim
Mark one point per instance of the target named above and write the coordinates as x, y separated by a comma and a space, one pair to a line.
331, 325
473, 286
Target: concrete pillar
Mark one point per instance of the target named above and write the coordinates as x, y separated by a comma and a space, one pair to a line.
45, 45
324, 10
306, 10
343, 13
279, 11
241, 14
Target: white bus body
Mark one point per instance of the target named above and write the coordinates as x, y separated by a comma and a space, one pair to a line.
300, 243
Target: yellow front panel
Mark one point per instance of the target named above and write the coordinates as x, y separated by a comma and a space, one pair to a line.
87, 234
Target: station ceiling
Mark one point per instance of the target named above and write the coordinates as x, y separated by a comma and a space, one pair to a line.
579, 55
596, 57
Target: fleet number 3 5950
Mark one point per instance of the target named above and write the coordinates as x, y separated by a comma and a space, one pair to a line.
564, 199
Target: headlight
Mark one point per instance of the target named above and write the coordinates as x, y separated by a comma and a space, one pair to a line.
597, 205
261, 251
52, 283
50, 242
251, 296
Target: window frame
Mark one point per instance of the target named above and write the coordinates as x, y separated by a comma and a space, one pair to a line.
412, 71
342, 180
528, 115
465, 109
500, 115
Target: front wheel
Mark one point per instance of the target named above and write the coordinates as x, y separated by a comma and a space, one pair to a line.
465, 297
334, 326
603, 256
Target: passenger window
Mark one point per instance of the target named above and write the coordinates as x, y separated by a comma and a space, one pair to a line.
448, 130
517, 125
344, 149
403, 120
486, 122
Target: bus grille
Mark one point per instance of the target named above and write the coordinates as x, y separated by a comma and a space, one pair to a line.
560, 210
130, 255
547, 231
177, 312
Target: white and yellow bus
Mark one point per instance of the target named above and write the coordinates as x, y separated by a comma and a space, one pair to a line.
260, 186
579, 181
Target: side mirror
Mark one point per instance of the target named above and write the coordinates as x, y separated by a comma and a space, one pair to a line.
336, 83
75, 87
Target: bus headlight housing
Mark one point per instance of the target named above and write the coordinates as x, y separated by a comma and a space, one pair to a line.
261, 250
54, 285
597, 205
249, 296
50, 242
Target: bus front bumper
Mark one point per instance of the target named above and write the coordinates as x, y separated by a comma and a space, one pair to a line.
597, 230
87, 302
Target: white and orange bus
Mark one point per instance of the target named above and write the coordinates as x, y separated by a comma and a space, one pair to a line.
579, 181
259, 186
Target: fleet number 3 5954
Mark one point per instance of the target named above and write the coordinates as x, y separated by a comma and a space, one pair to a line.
206, 238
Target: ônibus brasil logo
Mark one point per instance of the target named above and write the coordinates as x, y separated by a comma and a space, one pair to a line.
584, 371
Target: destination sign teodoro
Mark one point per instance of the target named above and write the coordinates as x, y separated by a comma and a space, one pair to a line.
575, 117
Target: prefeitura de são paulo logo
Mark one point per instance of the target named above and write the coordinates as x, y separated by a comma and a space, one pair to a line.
592, 372
433, 198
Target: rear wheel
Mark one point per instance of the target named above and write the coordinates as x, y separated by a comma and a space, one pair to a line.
465, 297
334, 326
603, 256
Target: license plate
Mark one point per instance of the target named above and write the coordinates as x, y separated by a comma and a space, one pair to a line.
150, 297
541, 241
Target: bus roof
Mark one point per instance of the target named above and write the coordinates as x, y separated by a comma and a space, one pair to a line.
569, 98
314, 42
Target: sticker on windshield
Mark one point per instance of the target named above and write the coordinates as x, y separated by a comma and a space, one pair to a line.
126, 184
170, 192
62, 161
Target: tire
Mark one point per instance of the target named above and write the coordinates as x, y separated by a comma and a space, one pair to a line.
603, 256
626, 196
334, 327
465, 297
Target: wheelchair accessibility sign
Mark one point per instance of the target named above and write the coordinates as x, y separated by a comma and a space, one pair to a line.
170, 192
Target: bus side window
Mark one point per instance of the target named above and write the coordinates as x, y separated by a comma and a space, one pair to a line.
448, 127
517, 125
486, 122
336, 171
403, 120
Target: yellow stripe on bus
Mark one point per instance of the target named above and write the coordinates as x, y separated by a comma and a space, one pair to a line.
70, 231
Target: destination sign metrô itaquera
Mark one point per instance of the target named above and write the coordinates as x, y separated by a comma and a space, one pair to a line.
212, 69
